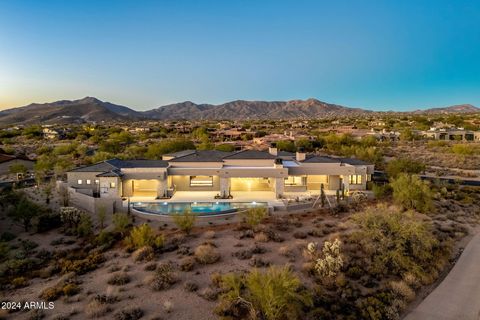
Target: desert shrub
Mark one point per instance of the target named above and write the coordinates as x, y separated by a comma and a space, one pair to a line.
65, 287
164, 277
274, 294
255, 216
105, 239
96, 309
400, 166
465, 149
329, 263
150, 266
132, 313
261, 237
119, 279
144, 236
395, 242
19, 282
299, 235
185, 221
70, 289
85, 226
190, 286
145, 253
411, 192
381, 191
23, 210
402, 290
7, 236
210, 234
121, 222
187, 264
102, 215
4, 250
206, 254
48, 221
82, 266
70, 217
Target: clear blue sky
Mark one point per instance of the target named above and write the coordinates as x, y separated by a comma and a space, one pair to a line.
143, 54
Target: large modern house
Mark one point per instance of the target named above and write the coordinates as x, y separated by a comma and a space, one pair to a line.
221, 175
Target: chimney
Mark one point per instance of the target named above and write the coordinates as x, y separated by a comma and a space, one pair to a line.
273, 149
300, 155
278, 163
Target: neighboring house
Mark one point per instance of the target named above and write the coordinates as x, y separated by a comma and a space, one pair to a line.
224, 173
7, 161
451, 134
52, 133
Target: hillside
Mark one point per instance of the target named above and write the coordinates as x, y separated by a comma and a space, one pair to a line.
93, 110
241, 109
65, 111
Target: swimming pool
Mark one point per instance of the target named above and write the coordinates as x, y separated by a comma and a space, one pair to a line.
198, 208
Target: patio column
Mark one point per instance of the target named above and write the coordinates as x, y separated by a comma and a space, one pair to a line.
278, 186
161, 188
224, 186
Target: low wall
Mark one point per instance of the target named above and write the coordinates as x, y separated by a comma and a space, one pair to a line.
91, 204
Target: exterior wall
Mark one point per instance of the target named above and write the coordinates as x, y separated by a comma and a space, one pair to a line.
182, 183
108, 192
73, 177
92, 205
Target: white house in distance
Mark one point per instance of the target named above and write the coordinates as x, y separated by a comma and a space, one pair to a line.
224, 175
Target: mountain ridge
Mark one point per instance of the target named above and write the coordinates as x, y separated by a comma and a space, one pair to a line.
90, 109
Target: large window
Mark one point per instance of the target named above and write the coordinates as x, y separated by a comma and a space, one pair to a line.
295, 181
201, 181
355, 179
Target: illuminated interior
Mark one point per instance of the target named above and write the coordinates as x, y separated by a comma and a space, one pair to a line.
314, 182
250, 184
145, 188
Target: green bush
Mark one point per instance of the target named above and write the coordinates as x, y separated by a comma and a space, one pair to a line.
275, 294
254, 216
411, 192
381, 191
48, 221
400, 166
185, 221
85, 226
82, 266
105, 239
121, 222
142, 236
395, 242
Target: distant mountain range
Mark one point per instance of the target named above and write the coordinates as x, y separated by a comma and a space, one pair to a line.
93, 110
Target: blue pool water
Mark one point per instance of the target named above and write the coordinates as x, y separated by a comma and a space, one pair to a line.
199, 208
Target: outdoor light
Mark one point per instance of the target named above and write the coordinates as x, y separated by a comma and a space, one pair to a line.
165, 203
253, 202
